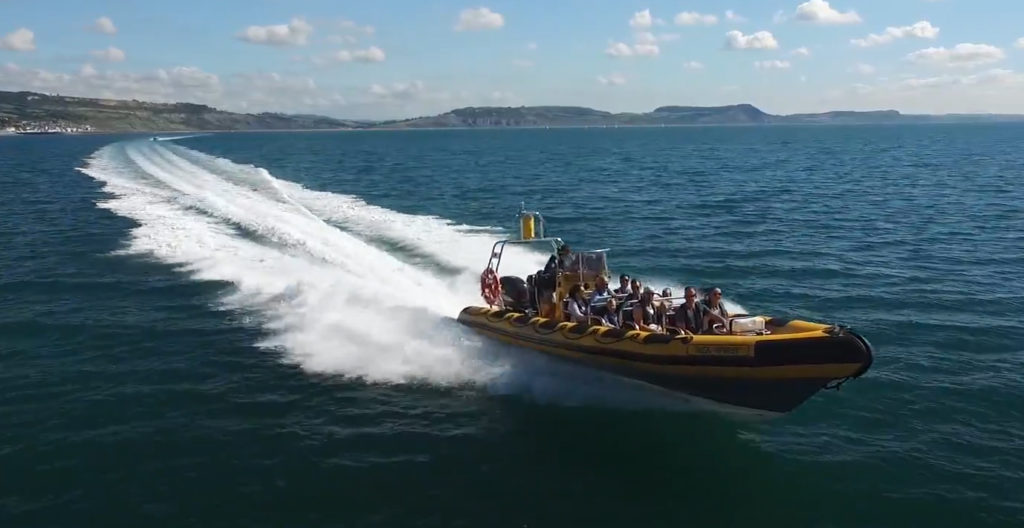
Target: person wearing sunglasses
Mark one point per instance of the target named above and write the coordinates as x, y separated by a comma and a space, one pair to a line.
644, 314
690, 314
714, 312
623, 288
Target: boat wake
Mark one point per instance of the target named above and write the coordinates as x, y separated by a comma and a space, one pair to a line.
173, 138
340, 286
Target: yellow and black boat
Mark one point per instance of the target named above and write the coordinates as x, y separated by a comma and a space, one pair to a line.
754, 364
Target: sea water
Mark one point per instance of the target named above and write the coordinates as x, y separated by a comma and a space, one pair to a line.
257, 329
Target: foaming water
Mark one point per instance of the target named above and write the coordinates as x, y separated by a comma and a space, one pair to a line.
174, 138
329, 299
332, 302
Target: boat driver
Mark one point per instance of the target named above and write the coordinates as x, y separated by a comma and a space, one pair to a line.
559, 261
715, 313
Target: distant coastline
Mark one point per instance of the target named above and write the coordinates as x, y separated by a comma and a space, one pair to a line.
30, 110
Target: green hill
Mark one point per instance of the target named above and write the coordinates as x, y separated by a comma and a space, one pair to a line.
29, 109
121, 115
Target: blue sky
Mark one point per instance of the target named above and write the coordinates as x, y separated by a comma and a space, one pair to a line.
405, 58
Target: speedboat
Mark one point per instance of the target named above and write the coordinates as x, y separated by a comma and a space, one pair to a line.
752, 364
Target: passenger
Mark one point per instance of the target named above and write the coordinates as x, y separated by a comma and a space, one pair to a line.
596, 301
643, 312
577, 305
714, 312
623, 288
690, 314
666, 294
665, 312
634, 290
611, 313
601, 288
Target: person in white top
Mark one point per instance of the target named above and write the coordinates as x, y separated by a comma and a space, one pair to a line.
577, 305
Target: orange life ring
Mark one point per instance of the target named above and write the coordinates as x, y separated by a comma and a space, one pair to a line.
490, 287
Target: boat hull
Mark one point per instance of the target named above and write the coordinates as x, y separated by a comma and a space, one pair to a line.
770, 374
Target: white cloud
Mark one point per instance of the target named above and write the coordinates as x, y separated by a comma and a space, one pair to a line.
693, 65
21, 39
992, 90
342, 39
733, 16
181, 83
349, 25
399, 91
736, 40
646, 37
802, 51
863, 69
772, 65
646, 50
111, 54
994, 76
692, 18
371, 54
522, 63
104, 25
820, 12
479, 19
922, 29
261, 91
619, 49
1019, 43
613, 79
404, 99
641, 20
532, 46
348, 32
779, 17
964, 55
640, 49
503, 97
294, 33
244, 92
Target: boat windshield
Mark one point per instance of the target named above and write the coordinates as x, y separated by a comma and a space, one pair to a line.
588, 262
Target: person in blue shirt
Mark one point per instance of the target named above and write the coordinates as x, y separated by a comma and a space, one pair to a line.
611, 313
601, 288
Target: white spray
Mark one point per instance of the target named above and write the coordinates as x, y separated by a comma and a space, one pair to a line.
331, 301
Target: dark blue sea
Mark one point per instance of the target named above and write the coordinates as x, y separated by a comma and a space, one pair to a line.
255, 329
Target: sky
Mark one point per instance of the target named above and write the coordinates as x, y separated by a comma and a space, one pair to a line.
395, 59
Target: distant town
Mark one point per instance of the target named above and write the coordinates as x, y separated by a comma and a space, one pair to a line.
9, 126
